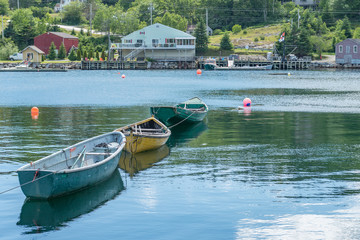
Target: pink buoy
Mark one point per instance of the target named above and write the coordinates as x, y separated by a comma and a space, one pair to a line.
198, 72
123, 76
247, 102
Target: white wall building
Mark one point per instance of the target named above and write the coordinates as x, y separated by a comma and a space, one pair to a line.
158, 42
307, 3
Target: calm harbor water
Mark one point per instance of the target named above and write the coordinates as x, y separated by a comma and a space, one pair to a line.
287, 168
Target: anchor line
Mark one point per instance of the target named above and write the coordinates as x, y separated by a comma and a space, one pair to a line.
34, 180
181, 121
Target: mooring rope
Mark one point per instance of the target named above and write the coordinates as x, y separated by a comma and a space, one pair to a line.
8, 190
181, 121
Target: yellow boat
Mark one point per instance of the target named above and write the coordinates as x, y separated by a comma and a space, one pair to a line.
145, 135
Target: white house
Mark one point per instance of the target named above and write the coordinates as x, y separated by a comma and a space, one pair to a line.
60, 6
158, 42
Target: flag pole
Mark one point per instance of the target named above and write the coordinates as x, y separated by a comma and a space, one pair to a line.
283, 58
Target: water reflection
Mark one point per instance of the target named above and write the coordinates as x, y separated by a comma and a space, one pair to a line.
47, 215
186, 132
134, 163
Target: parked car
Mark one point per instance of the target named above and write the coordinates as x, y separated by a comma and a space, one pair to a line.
292, 57
16, 56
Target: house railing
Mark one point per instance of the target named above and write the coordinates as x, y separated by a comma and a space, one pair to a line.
150, 46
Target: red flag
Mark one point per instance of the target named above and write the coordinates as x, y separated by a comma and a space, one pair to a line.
72, 149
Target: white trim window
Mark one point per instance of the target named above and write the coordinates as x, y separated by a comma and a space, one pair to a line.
347, 49
355, 49
341, 49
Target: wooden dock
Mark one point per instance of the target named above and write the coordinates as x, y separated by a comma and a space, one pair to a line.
277, 65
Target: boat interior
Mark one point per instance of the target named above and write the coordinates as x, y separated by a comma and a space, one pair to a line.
148, 128
67, 160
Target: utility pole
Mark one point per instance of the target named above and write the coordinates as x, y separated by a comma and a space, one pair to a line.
2, 26
151, 9
18, 4
298, 19
207, 22
90, 18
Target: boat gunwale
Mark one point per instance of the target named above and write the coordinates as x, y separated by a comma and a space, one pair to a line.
26, 167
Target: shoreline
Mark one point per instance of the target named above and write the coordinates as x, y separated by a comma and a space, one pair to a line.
163, 65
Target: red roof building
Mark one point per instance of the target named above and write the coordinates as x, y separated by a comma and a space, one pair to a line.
44, 41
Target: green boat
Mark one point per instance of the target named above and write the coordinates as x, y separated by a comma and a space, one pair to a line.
210, 64
192, 110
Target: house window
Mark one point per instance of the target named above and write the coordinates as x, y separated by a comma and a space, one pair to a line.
355, 49
340, 48
347, 49
169, 40
30, 56
128, 40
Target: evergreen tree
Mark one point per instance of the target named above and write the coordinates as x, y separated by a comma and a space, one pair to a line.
84, 54
78, 55
52, 53
62, 51
304, 46
73, 32
202, 39
91, 53
72, 56
97, 55
225, 43
347, 27
103, 54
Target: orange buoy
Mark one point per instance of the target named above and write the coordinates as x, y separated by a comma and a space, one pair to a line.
123, 76
198, 72
34, 113
34, 110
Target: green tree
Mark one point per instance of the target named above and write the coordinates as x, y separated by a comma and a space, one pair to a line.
4, 7
91, 53
103, 54
73, 13
347, 27
62, 51
22, 28
356, 33
73, 32
173, 20
84, 54
78, 55
97, 55
225, 43
52, 53
202, 39
236, 28
7, 47
72, 56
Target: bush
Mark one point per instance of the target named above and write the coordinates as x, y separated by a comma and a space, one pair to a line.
244, 32
72, 56
236, 28
7, 49
217, 32
256, 39
262, 37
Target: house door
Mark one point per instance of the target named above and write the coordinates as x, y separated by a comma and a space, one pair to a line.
155, 42
347, 59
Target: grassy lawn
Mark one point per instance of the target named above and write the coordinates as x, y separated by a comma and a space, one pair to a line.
265, 35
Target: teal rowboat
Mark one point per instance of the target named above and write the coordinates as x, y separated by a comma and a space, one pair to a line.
192, 110
73, 168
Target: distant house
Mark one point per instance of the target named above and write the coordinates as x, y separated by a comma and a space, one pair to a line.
307, 3
158, 42
43, 41
191, 30
33, 54
347, 52
60, 6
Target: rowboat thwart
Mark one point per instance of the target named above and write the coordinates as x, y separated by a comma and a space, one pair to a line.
73, 168
192, 110
145, 135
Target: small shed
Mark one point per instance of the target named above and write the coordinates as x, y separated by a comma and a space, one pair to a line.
348, 52
33, 54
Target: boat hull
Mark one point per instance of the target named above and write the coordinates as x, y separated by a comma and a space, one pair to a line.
209, 66
37, 181
138, 143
